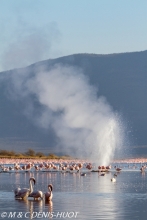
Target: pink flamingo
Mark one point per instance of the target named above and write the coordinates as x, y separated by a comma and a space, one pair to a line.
49, 194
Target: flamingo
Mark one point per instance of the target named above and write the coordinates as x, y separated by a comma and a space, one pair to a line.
142, 168
24, 192
36, 194
49, 194
118, 169
102, 174
114, 178
83, 174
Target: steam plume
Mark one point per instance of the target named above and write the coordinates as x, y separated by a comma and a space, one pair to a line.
84, 123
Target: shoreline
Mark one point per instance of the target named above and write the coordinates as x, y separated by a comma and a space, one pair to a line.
24, 161
131, 160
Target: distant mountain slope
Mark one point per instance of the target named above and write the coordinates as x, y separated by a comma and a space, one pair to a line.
121, 78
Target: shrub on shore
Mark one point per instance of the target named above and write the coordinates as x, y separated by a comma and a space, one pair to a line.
30, 153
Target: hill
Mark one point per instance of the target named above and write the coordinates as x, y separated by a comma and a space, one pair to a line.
121, 78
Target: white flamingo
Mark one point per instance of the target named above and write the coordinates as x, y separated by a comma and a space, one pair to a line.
113, 179
24, 192
49, 194
36, 194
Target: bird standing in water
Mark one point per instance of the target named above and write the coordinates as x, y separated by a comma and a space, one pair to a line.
24, 192
49, 194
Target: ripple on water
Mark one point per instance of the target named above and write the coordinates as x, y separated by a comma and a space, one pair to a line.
93, 196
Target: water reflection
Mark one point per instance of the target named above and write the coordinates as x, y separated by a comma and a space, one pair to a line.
49, 208
92, 196
143, 174
30, 207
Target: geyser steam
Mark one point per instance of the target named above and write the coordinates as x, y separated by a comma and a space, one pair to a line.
84, 123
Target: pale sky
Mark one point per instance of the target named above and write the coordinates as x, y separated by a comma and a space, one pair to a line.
35, 30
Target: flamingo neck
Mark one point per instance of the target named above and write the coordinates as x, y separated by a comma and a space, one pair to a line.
31, 187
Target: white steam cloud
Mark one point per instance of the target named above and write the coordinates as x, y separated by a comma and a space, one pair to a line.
84, 123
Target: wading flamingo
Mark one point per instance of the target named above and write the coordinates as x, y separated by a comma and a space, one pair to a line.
49, 194
24, 192
114, 178
36, 194
118, 169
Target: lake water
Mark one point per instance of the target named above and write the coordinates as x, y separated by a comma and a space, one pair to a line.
78, 197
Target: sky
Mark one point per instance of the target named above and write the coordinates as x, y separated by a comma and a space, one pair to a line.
35, 30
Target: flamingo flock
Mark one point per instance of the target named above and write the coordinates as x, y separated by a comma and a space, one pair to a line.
72, 166
63, 166
46, 166
24, 193
49, 166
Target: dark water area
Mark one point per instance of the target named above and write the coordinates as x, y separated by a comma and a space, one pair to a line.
89, 197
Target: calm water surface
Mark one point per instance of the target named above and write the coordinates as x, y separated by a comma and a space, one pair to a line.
78, 197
